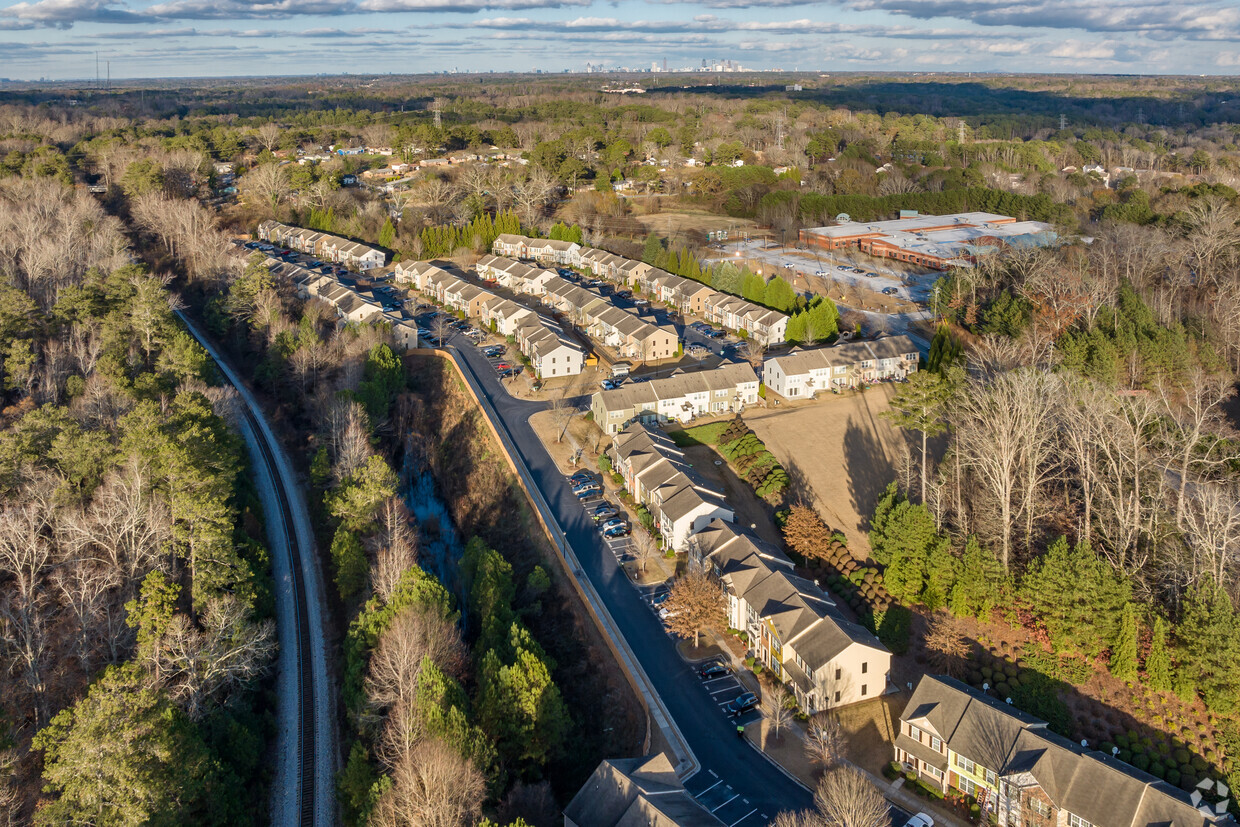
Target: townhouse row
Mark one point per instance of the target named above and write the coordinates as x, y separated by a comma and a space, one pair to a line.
353, 304
681, 397
551, 353
801, 374
1024, 775
625, 333
794, 628
761, 324
352, 254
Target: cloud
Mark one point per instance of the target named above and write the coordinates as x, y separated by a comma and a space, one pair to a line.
241, 10
467, 6
62, 14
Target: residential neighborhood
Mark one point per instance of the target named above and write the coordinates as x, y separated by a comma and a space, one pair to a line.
680, 397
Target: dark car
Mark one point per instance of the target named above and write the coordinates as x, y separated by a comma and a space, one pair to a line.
616, 531
509, 373
742, 703
494, 350
659, 599
581, 477
604, 512
713, 670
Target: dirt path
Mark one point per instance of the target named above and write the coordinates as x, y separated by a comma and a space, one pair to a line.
839, 451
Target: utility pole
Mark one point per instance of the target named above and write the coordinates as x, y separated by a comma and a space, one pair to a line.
934, 302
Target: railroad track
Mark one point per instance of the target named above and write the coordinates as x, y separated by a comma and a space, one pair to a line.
306, 808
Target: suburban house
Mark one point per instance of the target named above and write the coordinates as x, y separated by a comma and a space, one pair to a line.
417, 273
658, 476
404, 332
353, 308
794, 628
803, 373
958, 738
636, 792
631, 336
681, 397
469, 299
551, 251
549, 351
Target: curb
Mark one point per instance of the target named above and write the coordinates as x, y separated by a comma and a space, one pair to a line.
685, 761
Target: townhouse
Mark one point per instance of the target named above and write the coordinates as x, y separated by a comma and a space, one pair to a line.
631, 336
794, 628
803, 373
551, 354
353, 254
626, 792
505, 316
418, 273
763, 325
658, 476
512, 246
958, 738
551, 251
678, 398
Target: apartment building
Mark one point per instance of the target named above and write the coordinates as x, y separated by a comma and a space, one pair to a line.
417, 273
959, 738
763, 325
678, 398
658, 476
801, 374
506, 315
794, 628
627, 792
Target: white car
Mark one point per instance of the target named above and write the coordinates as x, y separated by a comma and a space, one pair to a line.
920, 820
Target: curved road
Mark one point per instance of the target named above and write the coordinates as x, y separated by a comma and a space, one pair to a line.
711, 736
303, 789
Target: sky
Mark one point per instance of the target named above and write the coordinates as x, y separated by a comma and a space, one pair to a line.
59, 39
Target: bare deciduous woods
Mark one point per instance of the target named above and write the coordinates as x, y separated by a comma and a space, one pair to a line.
844, 798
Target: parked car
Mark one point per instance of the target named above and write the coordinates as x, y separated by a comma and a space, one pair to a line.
715, 333
920, 820
742, 703
494, 351
508, 373
871, 275
889, 291
821, 273
666, 613
698, 350
581, 477
659, 599
713, 670
604, 512
502, 366
616, 531
587, 490
612, 523
611, 384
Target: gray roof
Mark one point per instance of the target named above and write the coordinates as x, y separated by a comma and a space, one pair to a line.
1092, 785
636, 792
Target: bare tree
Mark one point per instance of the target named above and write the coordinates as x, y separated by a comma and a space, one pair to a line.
413, 636
1212, 529
532, 193
695, 602
347, 436
645, 548
846, 798
269, 135
825, 741
396, 546
1196, 415
562, 412
776, 702
266, 185
432, 786
946, 646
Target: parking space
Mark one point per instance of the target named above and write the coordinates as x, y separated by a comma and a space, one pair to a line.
723, 802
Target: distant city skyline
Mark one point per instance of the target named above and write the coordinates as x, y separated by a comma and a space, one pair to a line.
59, 39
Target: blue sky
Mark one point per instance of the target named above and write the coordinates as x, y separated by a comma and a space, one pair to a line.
58, 39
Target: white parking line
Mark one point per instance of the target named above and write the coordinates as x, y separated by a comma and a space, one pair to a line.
711, 787
726, 803
720, 678
725, 689
742, 818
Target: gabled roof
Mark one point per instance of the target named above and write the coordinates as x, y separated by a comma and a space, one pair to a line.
637, 792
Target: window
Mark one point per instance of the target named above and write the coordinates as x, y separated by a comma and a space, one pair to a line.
837, 697
1076, 821
914, 733
990, 777
863, 690
865, 667
936, 744
934, 771
967, 786
1040, 807
838, 673
966, 765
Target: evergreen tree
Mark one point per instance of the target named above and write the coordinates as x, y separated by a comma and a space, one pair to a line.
823, 321
779, 295
1158, 661
387, 234
652, 249
1123, 663
919, 406
1208, 644
980, 584
1078, 596
349, 563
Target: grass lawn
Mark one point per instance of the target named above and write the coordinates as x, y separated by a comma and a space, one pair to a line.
699, 434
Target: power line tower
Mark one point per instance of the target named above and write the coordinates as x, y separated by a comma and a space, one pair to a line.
960, 132
436, 107
1140, 114
1063, 122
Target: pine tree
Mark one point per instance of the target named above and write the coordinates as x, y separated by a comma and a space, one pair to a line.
1077, 595
652, 249
1124, 653
980, 584
387, 234
1209, 647
1158, 661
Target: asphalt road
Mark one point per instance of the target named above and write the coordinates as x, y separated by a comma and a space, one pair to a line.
758, 790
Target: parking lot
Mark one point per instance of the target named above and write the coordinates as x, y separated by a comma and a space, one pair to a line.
723, 802
620, 547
